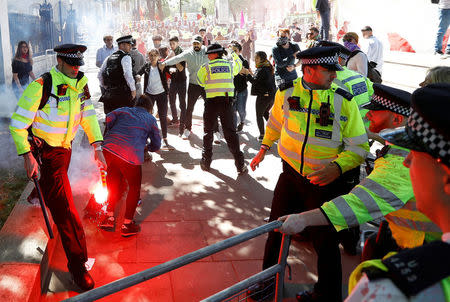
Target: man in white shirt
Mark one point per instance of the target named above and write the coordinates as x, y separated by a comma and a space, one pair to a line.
374, 49
116, 77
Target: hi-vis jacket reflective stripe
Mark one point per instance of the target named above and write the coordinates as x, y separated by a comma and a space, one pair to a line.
304, 143
384, 193
57, 122
358, 85
217, 76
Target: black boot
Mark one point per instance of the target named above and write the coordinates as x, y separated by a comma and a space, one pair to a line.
81, 276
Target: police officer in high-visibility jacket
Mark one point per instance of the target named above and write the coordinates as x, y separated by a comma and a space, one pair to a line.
216, 77
53, 128
321, 138
422, 273
387, 191
358, 85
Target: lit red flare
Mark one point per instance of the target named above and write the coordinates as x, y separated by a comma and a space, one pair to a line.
100, 190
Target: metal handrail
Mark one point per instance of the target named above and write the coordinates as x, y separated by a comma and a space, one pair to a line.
166, 267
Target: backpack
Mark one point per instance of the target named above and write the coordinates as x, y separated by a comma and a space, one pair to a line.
46, 89
373, 74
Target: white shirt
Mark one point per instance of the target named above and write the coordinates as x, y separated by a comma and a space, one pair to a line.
154, 86
127, 67
444, 4
358, 63
375, 52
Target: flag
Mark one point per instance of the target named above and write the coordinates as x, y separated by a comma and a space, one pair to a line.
242, 19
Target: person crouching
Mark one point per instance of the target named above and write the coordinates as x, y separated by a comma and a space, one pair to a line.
128, 129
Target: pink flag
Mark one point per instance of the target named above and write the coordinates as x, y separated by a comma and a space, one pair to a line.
242, 19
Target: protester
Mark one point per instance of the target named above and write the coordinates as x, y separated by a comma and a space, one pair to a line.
374, 49
312, 37
444, 22
139, 61
205, 41
128, 129
284, 54
263, 86
357, 60
157, 41
105, 51
22, 68
247, 47
194, 59
240, 87
323, 9
156, 87
177, 87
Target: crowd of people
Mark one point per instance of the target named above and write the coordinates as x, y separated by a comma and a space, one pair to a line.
323, 123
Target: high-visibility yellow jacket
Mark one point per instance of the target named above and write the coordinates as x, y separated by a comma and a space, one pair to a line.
358, 85
58, 121
217, 76
303, 142
388, 192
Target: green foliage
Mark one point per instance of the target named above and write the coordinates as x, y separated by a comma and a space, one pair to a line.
12, 183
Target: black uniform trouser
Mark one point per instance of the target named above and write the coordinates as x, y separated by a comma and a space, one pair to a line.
294, 194
58, 198
113, 99
220, 107
180, 89
194, 91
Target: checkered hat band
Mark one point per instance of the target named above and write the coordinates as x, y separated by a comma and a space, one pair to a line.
323, 60
397, 108
77, 55
436, 144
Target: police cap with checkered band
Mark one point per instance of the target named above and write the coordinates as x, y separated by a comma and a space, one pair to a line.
344, 52
72, 54
125, 39
389, 98
428, 127
325, 56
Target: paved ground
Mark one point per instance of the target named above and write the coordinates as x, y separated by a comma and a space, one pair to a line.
184, 209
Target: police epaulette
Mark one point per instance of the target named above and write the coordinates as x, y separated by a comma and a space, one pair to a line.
344, 93
287, 85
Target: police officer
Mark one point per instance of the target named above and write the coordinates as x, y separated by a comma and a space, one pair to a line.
387, 191
116, 76
321, 139
54, 125
422, 273
354, 82
216, 77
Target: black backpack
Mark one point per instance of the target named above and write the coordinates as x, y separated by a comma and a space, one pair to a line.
373, 74
46, 89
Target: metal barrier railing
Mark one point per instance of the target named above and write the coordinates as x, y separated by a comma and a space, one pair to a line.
276, 270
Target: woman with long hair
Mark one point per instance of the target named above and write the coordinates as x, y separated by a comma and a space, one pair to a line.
263, 86
22, 68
